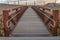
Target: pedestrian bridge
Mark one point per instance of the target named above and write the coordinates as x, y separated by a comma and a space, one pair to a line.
25, 21
30, 24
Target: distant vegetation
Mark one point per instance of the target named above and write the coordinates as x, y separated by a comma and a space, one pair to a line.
53, 4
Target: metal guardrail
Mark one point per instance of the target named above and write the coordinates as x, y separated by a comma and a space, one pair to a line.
50, 19
52, 23
10, 18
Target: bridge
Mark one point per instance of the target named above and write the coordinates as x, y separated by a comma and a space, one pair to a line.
30, 21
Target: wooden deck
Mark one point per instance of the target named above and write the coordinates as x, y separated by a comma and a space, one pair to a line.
30, 25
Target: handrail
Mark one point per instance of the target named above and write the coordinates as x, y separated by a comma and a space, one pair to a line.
50, 19
11, 19
47, 8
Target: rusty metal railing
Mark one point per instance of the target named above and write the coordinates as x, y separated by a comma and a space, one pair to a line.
53, 21
14, 18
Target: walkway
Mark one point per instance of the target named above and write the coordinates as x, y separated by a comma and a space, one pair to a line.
30, 25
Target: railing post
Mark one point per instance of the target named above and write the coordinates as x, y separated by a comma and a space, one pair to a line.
5, 19
55, 18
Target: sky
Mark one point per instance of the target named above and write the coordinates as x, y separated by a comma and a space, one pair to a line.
3, 1
20, 0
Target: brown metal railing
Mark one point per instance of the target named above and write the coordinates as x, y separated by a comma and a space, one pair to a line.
12, 18
50, 20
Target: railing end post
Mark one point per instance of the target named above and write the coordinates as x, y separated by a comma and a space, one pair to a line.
55, 18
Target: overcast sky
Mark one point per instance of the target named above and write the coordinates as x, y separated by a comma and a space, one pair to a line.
30, 0
3, 1
25, 0
21, 0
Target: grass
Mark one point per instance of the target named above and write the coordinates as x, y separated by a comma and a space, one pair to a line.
56, 7
1, 26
